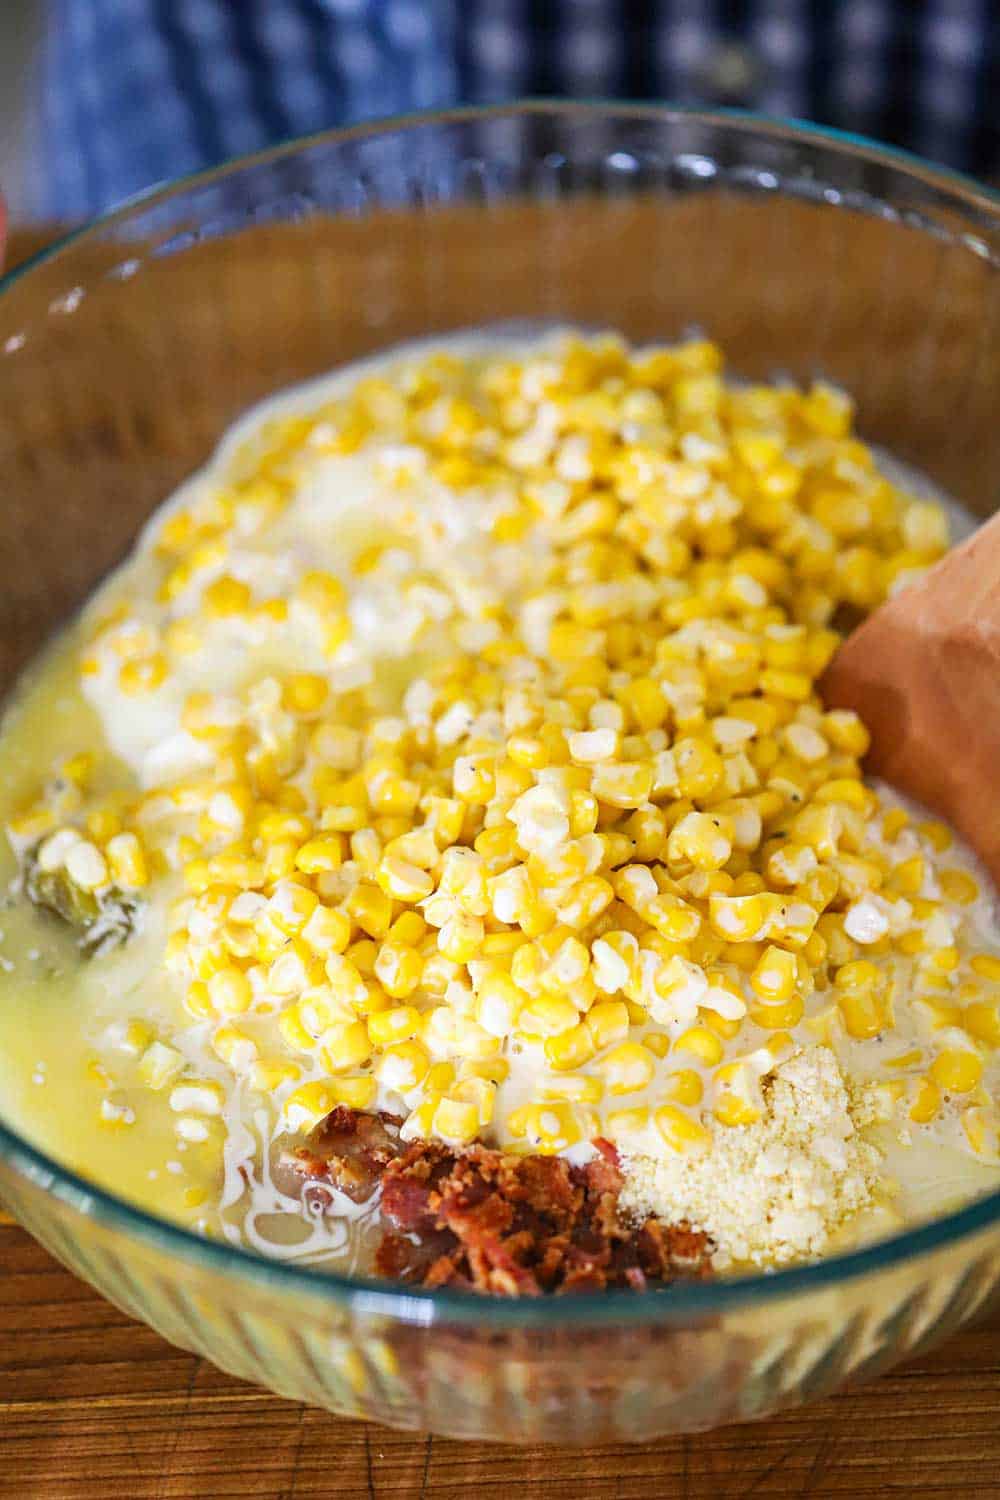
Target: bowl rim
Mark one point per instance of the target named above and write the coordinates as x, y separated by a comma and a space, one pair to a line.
366, 1295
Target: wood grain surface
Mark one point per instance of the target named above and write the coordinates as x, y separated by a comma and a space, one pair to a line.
94, 1405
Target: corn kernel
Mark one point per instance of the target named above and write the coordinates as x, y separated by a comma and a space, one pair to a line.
926, 1101
570, 1049
627, 1067
956, 1070
357, 1091
346, 1045
701, 1043
775, 975
607, 1022
981, 1020
268, 1074
397, 1024
684, 1086
680, 1132
159, 1065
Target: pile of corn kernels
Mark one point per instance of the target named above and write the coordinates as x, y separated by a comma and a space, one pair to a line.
602, 860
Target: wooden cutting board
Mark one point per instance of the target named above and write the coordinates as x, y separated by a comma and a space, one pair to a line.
96, 1407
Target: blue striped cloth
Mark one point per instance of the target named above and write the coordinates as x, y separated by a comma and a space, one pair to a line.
135, 91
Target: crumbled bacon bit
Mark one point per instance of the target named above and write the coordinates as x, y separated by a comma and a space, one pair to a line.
349, 1149
512, 1226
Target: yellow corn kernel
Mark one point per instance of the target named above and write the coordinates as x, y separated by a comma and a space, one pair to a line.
926, 1103
346, 1045
197, 1001
622, 783
701, 1043
734, 1104
907, 878
357, 1091
320, 855
862, 1013
549, 1127
371, 909
366, 849
127, 861
328, 931
895, 820
268, 1074
945, 960
680, 1132
725, 1027
403, 1066
293, 1032
938, 835
743, 919
658, 1043
548, 1016
397, 1024
981, 1020
844, 789
795, 686
775, 975
402, 880
779, 1015
237, 870
479, 1092
845, 731
980, 1126
456, 1121
700, 839
625, 1124
957, 885
321, 592
460, 938
134, 1037
226, 596
986, 966
627, 1067
291, 905
346, 982
233, 1046
493, 1069
684, 1086
956, 1070
699, 769
307, 1105
398, 968
143, 674
575, 1088
409, 928
570, 1049
607, 1022
304, 692
440, 1077
160, 1064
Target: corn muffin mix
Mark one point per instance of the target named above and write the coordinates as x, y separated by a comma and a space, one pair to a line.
451, 747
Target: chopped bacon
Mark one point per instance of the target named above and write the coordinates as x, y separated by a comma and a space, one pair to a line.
513, 1226
349, 1149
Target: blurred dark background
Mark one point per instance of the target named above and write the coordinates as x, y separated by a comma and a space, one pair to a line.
99, 98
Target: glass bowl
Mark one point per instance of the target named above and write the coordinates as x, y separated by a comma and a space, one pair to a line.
125, 352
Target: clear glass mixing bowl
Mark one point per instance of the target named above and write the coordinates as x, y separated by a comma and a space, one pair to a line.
127, 349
